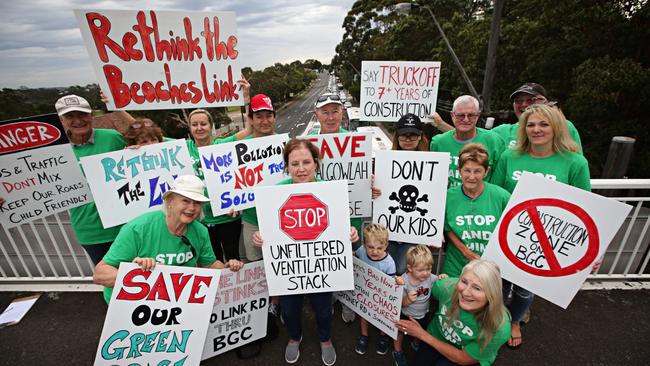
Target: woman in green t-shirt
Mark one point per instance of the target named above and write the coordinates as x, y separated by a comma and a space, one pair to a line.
544, 147
471, 322
472, 210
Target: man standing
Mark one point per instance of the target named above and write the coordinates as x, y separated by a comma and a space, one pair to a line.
465, 114
329, 112
75, 115
528, 94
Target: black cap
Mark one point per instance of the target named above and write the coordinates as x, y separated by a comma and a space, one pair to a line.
409, 123
530, 88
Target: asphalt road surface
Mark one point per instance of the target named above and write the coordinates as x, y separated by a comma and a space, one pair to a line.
599, 328
296, 116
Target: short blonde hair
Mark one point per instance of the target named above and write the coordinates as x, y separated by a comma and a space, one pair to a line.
377, 232
419, 255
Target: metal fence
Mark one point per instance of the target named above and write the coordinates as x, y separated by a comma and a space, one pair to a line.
45, 255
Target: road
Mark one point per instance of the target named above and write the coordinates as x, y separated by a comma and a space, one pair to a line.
294, 118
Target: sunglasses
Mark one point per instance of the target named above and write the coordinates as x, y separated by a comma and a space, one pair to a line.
187, 242
534, 100
145, 123
462, 116
325, 97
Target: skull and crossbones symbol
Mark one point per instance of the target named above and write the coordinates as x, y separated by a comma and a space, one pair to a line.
408, 198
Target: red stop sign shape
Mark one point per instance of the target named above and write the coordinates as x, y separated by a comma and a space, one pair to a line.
303, 217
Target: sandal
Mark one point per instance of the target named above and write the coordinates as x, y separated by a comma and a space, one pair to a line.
512, 340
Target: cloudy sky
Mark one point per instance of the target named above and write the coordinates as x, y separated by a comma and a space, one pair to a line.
41, 46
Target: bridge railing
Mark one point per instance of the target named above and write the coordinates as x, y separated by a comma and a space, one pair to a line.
45, 255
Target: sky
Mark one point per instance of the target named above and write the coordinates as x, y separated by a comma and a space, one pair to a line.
41, 46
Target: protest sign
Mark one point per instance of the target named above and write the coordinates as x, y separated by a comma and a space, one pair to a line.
376, 297
163, 59
550, 235
391, 89
306, 231
414, 193
239, 315
127, 183
39, 173
348, 156
231, 170
157, 317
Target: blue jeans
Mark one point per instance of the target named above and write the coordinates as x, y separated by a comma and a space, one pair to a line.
520, 301
321, 304
397, 251
429, 356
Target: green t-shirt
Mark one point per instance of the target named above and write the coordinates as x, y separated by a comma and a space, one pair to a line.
569, 168
147, 236
85, 219
445, 142
341, 130
473, 221
508, 132
209, 218
463, 333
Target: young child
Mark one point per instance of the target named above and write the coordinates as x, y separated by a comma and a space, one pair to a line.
418, 280
373, 252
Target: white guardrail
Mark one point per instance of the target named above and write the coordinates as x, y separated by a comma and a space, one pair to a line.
44, 255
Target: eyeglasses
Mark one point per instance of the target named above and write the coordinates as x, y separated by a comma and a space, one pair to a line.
408, 137
533, 100
186, 241
325, 97
140, 124
462, 116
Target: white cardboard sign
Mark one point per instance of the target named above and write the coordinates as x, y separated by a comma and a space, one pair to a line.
127, 183
239, 315
233, 169
550, 234
39, 173
391, 89
413, 188
306, 232
159, 317
348, 156
150, 59
376, 297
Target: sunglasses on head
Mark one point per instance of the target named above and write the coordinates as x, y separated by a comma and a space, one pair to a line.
140, 124
325, 97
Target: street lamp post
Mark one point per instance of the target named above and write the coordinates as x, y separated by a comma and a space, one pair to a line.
406, 8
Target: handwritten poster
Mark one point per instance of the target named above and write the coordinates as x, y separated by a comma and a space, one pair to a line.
348, 156
127, 183
149, 59
376, 297
239, 315
551, 234
413, 188
391, 89
306, 232
157, 317
232, 170
39, 173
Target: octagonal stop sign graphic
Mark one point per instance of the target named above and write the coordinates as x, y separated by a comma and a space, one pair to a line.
303, 217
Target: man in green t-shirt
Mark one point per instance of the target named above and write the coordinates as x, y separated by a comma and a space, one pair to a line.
465, 114
75, 115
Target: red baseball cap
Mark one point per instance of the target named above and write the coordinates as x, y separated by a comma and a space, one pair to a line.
261, 102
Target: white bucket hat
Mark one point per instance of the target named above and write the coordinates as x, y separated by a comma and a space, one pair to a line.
189, 186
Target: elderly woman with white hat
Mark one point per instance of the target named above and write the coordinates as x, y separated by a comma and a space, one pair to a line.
173, 236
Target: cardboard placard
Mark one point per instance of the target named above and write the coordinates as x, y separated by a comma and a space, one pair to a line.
127, 183
414, 193
158, 317
232, 170
239, 315
550, 235
348, 156
306, 233
376, 297
39, 173
150, 59
391, 89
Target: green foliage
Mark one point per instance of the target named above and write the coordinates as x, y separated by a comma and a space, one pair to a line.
591, 56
